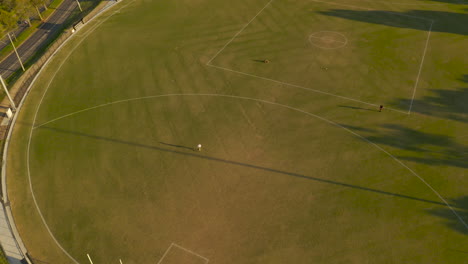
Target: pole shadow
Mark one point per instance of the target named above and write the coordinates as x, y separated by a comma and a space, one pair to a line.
451, 221
242, 164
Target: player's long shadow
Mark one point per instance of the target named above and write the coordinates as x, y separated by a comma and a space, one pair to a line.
357, 108
177, 146
236, 163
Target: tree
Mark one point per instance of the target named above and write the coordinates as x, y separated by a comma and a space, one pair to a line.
8, 21
36, 4
24, 10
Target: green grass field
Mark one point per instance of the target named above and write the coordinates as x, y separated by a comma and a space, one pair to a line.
297, 163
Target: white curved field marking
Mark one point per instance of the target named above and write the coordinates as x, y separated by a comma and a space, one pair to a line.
305, 88
310, 89
219, 95
276, 104
35, 117
342, 43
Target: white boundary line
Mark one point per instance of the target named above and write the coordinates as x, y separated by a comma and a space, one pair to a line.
315, 90
231, 96
242, 29
285, 106
420, 67
191, 252
35, 116
165, 253
184, 249
304, 88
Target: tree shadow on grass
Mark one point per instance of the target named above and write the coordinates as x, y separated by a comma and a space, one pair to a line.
448, 22
449, 104
431, 149
453, 2
420, 147
461, 207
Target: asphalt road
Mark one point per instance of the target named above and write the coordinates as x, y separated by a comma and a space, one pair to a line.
48, 29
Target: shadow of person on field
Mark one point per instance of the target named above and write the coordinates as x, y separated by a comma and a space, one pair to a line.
444, 103
198, 155
448, 22
260, 61
421, 147
177, 146
452, 220
358, 108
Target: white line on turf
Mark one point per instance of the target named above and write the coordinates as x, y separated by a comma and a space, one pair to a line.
331, 40
302, 87
34, 121
120, 101
298, 86
165, 253
288, 107
242, 29
420, 67
191, 252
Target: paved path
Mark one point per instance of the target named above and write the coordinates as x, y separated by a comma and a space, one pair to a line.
7, 240
52, 26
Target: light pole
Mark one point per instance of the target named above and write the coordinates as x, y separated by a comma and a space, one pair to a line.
17, 55
78, 2
90, 259
8, 94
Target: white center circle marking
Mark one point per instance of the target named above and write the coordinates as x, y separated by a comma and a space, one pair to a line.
328, 39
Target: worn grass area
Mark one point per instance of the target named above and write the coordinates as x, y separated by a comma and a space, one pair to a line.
285, 175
